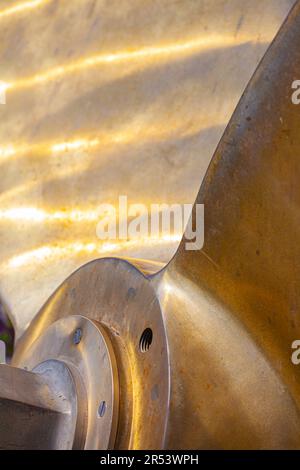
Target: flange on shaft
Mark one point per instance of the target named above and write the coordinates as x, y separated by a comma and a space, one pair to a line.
84, 348
105, 324
43, 409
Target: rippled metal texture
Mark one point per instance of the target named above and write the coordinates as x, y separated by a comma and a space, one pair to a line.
106, 98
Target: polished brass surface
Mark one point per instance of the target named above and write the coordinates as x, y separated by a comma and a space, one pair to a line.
237, 299
106, 98
223, 318
202, 347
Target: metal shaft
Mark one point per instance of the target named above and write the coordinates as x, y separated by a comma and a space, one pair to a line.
37, 410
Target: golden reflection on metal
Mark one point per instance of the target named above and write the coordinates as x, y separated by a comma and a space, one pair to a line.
157, 102
47, 252
83, 144
9, 150
33, 214
74, 168
233, 304
20, 7
145, 54
37, 215
130, 134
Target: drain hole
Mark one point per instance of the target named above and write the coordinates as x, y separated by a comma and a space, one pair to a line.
146, 340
